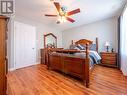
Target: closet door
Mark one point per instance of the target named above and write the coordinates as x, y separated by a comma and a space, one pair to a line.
3, 79
25, 45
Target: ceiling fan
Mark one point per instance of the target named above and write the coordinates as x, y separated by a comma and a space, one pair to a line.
63, 14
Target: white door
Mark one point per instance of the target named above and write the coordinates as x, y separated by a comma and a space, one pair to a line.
25, 45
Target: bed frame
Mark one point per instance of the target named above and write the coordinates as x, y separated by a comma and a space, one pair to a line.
73, 66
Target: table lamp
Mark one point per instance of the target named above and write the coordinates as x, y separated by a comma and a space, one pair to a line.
107, 44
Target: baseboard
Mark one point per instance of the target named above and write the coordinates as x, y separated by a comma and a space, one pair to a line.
11, 69
38, 63
124, 72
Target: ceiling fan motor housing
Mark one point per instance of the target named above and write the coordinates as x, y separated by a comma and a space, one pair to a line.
64, 8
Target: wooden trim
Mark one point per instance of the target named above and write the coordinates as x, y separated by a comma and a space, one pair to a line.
84, 42
48, 64
68, 51
87, 66
48, 35
3, 17
51, 34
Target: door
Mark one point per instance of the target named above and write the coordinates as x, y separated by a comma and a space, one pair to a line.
25, 45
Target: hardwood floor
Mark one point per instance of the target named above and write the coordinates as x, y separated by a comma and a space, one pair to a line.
37, 80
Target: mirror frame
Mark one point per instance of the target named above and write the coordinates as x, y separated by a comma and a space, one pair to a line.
49, 35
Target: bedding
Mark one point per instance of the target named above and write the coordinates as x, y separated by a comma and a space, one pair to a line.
82, 47
93, 47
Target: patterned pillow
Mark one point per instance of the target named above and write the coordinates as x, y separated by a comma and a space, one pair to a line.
93, 47
72, 46
81, 47
76, 48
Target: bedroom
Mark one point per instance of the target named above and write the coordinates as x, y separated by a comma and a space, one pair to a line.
37, 44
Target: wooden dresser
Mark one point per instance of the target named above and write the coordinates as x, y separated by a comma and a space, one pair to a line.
44, 56
3, 55
109, 59
42, 52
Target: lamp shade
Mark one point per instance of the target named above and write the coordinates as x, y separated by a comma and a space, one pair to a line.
107, 44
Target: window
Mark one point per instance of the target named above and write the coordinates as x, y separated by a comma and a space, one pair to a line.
123, 42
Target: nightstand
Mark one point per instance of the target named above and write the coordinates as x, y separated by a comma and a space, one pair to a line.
109, 59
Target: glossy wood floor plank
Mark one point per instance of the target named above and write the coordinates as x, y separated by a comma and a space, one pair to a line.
37, 80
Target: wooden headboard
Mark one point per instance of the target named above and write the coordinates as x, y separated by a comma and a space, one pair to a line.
85, 41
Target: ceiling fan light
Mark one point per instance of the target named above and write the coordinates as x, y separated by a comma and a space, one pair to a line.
62, 19
61, 12
59, 18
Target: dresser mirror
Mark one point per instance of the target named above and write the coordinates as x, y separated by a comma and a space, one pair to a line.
50, 40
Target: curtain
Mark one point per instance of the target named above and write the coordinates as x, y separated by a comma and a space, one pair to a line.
123, 42
119, 60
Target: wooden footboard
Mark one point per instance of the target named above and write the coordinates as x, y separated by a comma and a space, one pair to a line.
74, 66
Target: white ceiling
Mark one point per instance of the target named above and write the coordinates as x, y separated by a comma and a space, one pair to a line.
91, 11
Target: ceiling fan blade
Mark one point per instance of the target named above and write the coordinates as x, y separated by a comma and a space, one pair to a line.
70, 19
73, 12
51, 15
57, 5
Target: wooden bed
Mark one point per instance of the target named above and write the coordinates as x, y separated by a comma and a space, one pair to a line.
73, 66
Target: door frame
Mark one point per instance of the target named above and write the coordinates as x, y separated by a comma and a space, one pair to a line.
14, 28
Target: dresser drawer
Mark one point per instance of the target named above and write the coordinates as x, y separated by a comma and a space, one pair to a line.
108, 62
109, 58
110, 55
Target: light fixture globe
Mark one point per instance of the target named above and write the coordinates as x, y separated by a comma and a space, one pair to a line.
107, 44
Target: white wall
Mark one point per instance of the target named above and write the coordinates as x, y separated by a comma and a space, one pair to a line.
41, 30
105, 30
10, 44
